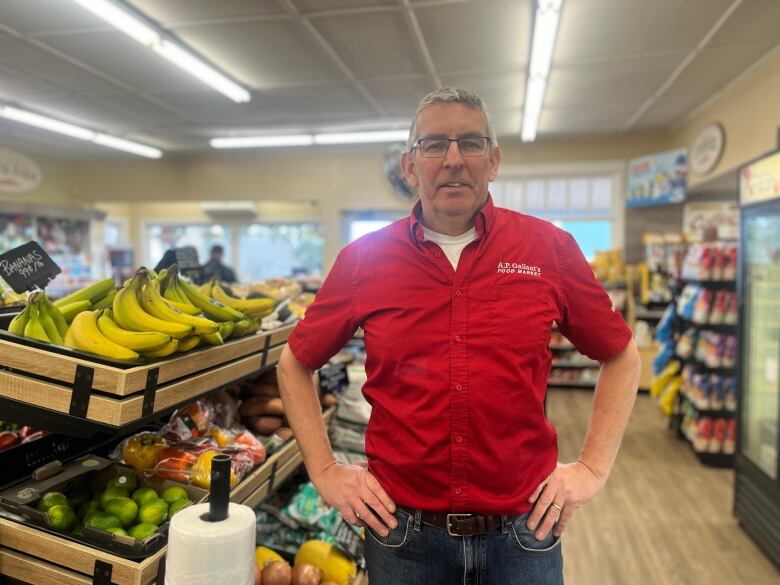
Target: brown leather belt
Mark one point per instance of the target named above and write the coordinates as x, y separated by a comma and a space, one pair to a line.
459, 524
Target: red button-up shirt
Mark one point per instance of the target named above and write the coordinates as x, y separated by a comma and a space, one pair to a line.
458, 361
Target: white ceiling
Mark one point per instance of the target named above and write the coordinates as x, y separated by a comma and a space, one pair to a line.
619, 65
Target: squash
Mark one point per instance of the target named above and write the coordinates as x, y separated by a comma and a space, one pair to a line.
334, 564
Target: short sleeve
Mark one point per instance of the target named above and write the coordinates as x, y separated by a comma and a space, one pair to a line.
330, 320
588, 318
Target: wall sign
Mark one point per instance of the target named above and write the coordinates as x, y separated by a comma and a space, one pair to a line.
657, 179
721, 215
760, 181
707, 149
18, 173
27, 266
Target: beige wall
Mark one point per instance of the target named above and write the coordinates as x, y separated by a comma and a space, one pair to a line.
55, 188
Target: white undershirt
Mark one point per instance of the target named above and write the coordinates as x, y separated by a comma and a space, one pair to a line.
452, 245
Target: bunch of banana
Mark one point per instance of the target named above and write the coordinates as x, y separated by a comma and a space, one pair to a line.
40, 320
256, 309
85, 334
98, 295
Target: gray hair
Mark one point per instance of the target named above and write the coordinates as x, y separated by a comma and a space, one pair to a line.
450, 95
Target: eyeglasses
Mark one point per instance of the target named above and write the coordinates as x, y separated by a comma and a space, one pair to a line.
438, 147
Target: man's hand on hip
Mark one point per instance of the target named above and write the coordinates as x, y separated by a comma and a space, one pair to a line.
556, 498
358, 496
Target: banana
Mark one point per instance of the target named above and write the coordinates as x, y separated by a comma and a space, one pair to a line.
89, 293
135, 340
70, 311
168, 293
34, 328
226, 329
240, 328
106, 301
154, 304
214, 339
210, 307
56, 316
256, 308
18, 323
48, 323
188, 343
129, 314
164, 351
85, 335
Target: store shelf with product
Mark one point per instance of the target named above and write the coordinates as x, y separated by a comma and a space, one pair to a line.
570, 369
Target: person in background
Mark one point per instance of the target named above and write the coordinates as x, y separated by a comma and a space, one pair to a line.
215, 267
457, 303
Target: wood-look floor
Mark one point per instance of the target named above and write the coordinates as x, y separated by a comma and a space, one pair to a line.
663, 518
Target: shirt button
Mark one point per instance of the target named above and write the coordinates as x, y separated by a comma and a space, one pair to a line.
458, 439
458, 490
458, 387
457, 293
437, 254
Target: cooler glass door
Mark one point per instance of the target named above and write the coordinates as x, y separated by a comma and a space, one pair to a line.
761, 339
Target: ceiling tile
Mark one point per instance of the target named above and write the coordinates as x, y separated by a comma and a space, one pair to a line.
477, 35
26, 16
178, 10
635, 27
752, 21
666, 111
18, 87
263, 53
41, 64
714, 68
317, 5
613, 82
372, 44
498, 91
400, 98
583, 120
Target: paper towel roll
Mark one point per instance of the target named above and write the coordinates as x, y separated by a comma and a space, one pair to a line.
211, 553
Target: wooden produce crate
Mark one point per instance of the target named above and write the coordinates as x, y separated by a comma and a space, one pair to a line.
40, 558
119, 394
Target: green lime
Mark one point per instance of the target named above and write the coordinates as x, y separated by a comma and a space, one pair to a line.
123, 508
88, 507
78, 497
61, 517
154, 512
102, 520
142, 531
125, 479
114, 530
177, 505
112, 493
174, 493
143, 495
51, 499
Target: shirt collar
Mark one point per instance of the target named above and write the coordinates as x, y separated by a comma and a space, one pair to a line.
486, 218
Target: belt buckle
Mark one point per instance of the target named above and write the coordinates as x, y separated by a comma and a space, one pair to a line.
449, 522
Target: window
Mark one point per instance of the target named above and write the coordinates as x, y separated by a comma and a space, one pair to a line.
163, 237
277, 250
580, 205
358, 224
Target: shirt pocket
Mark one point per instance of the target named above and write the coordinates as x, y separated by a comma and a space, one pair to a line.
521, 317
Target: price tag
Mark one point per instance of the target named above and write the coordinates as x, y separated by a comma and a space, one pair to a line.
187, 261
27, 267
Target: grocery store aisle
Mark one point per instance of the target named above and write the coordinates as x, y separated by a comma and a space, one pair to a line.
663, 519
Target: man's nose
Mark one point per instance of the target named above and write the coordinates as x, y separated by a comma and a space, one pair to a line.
453, 157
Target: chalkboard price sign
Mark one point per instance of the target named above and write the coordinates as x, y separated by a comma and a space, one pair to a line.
27, 267
187, 261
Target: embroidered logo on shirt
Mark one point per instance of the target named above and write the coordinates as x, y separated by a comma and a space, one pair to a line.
518, 268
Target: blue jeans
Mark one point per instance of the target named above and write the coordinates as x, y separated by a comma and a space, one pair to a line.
416, 553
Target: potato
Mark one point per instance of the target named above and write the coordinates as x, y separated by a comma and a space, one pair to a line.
264, 425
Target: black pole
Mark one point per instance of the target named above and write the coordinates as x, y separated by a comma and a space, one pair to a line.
219, 494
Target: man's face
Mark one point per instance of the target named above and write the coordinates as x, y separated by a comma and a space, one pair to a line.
454, 185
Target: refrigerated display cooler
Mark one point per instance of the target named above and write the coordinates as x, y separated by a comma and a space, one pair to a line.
757, 482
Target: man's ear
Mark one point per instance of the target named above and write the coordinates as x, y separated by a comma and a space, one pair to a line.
495, 159
408, 167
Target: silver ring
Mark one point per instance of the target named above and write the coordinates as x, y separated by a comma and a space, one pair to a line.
357, 515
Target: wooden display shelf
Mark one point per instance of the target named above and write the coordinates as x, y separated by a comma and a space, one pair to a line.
108, 397
23, 548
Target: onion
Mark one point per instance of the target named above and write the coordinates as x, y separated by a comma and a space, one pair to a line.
305, 574
258, 575
329, 399
329, 583
276, 573
284, 433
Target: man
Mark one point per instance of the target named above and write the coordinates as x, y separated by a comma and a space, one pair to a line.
457, 303
214, 267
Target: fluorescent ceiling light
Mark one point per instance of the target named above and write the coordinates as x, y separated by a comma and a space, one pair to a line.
86, 134
263, 141
546, 21
309, 139
136, 28
362, 137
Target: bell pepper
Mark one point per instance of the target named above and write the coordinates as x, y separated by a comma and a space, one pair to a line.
174, 463
141, 451
201, 471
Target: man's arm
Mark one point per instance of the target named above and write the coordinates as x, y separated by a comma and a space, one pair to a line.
573, 484
350, 488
